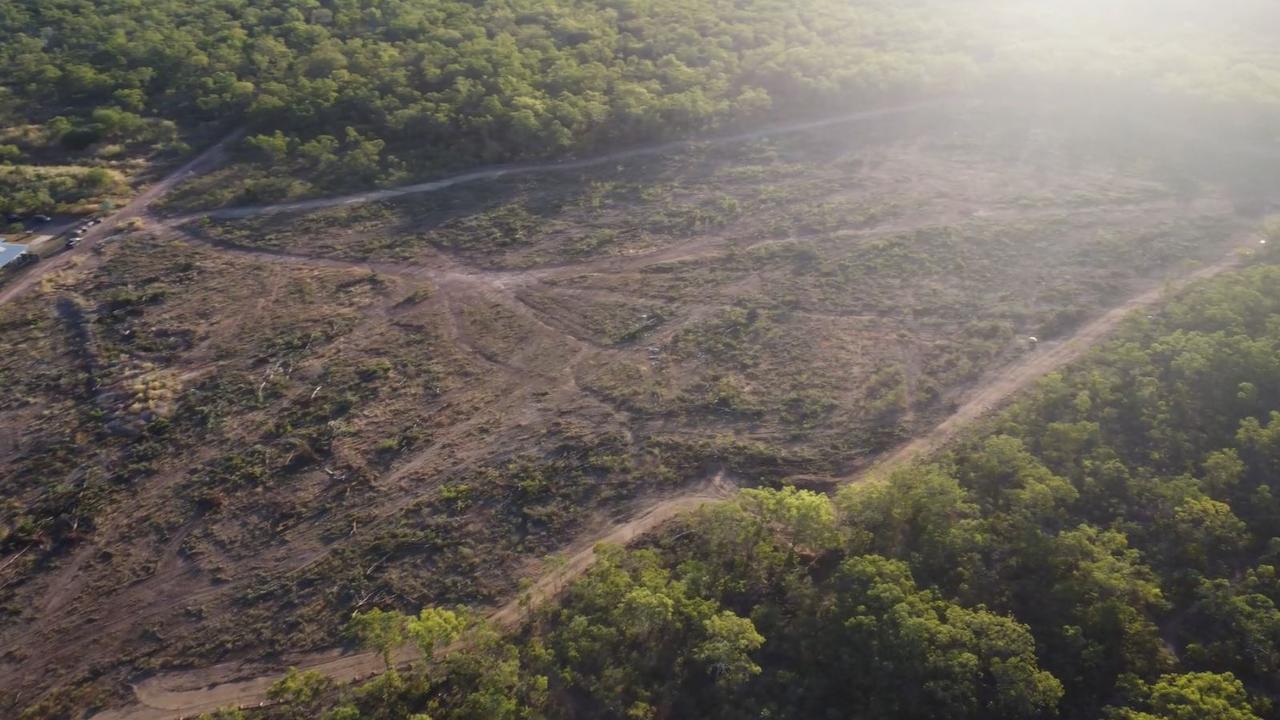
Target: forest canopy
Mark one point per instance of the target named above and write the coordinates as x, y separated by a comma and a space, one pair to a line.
452, 80
356, 92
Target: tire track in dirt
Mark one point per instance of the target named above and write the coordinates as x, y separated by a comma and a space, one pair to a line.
178, 695
498, 286
65, 583
452, 326
577, 336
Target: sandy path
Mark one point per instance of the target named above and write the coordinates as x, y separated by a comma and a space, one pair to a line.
186, 694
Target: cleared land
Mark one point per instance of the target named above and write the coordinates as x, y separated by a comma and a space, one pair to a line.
184, 693
227, 434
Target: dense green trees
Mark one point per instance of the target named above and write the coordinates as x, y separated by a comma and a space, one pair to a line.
352, 92
1193, 696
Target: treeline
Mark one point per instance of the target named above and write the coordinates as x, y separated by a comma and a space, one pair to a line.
352, 92
357, 88
1107, 548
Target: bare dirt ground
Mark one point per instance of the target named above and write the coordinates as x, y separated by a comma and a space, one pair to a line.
469, 358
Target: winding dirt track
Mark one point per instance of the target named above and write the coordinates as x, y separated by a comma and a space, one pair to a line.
140, 206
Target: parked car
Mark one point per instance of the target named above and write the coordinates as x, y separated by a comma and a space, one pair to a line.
72, 243
13, 218
41, 218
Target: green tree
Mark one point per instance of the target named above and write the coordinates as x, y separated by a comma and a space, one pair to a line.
886, 633
1193, 696
435, 628
727, 649
380, 630
273, 148
300, 692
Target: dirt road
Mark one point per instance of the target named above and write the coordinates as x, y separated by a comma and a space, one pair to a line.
999, 386
137, 207
500, 171
185, 694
